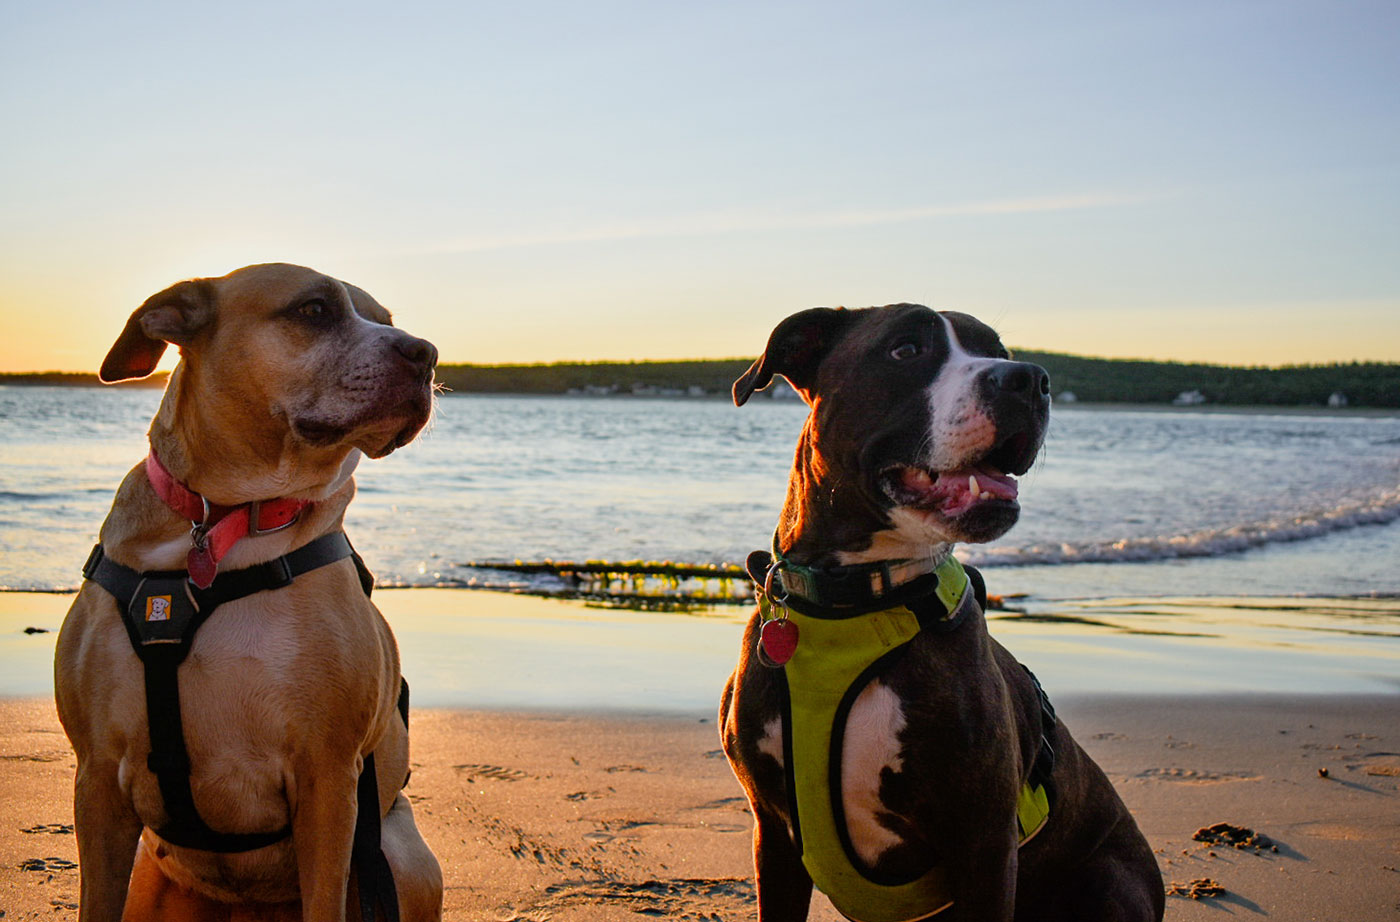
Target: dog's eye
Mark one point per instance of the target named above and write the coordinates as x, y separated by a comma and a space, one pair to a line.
313, 311
905, 351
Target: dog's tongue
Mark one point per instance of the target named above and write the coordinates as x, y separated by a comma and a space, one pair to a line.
959, 490
980, 481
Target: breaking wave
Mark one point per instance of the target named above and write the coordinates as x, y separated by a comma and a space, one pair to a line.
1214, 542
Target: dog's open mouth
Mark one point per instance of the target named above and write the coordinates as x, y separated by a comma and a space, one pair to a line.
952, 493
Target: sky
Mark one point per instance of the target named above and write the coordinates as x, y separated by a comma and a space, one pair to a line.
551, 181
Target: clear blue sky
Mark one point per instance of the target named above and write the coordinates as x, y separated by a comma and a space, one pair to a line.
551, 181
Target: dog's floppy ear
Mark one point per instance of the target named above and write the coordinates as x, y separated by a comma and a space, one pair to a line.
175, 315
795, 349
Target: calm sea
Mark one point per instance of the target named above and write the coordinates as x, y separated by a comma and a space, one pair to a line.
1122, 503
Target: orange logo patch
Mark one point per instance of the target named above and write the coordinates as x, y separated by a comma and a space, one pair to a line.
158, 608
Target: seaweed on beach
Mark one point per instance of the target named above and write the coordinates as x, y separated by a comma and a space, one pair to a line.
1241, 837
1198, 889
616, 568
635, 584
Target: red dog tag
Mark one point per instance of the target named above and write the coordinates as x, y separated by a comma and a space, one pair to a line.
778, 640
201, 566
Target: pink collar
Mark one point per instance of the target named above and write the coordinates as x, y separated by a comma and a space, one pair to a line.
218, 528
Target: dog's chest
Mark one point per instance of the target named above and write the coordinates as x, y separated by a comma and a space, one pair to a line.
243, 696
871, 757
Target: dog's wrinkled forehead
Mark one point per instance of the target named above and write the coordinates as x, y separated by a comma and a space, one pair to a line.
301, 304
281, 288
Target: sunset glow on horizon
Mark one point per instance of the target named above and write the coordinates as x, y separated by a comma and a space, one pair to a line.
630, 181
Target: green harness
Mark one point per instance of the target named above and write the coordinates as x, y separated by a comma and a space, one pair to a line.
836, 658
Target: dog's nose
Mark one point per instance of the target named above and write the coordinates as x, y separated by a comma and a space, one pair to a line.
1021, 378
417, 351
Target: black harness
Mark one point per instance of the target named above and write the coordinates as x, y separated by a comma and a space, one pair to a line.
162, 610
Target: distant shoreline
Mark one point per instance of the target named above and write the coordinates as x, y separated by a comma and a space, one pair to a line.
1226, 408
1085, 405
1081, 380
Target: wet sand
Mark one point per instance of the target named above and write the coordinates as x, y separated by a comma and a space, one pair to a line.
493, 651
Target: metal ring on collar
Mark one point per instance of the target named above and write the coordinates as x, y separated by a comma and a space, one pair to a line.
768, 583
199, 532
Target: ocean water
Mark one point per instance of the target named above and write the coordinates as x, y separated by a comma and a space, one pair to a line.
1123, 502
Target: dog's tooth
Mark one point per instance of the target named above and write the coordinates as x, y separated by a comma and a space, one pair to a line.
972, 485
985, 495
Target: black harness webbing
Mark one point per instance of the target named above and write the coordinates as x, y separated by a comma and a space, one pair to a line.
162, 610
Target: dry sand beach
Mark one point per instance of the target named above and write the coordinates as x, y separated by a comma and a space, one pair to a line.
601, 814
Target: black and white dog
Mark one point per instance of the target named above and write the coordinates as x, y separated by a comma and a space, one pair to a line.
932, 771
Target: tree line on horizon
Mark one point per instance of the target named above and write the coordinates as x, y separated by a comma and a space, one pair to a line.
1091, 380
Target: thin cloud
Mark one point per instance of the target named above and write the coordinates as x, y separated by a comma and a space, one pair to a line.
714, 224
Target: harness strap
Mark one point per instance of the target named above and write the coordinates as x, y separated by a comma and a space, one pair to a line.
1038, 793
123, 582
838, 593
162, 611
864, 587
372, 872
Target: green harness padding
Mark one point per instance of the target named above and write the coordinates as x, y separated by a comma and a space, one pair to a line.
834, 660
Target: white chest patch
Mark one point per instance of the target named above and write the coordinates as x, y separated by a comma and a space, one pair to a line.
771, 744
870, 745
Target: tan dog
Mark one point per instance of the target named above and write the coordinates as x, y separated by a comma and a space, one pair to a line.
286, 376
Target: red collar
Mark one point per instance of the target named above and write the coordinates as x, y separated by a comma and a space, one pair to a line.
218, 528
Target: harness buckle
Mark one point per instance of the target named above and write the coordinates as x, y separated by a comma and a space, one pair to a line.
884, 578
254, 514
94, 558
279, 572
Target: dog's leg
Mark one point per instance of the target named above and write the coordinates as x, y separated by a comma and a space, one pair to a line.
783, 884
323, 831
986, 876
417, 874
1119, 882
107, 830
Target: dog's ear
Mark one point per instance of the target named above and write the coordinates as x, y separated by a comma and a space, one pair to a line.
175, 315
795, 349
